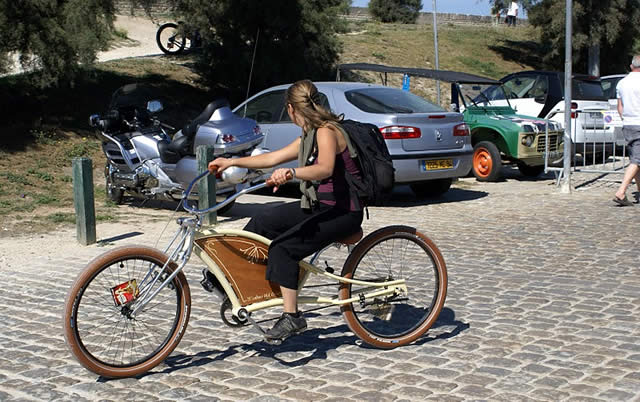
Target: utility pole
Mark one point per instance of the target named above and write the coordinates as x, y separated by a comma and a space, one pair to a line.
435, 41
565, 187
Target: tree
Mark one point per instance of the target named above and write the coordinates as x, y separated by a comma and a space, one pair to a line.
54, 37
610, 25
273, 42
404, 11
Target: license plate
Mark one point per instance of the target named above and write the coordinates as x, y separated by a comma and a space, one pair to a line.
436, 164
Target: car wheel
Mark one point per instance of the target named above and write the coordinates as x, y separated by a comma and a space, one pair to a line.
486, 161
431, 188
530, 171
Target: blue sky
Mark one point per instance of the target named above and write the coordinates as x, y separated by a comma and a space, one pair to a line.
476, 7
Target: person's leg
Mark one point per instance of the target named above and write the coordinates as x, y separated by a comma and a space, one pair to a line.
274, 221
288, 249
305, 238
631, 172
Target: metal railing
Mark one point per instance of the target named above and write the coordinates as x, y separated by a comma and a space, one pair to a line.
598, 145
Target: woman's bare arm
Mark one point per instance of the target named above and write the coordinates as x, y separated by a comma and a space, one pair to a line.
267, 160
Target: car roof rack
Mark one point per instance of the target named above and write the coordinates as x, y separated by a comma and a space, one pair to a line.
440, 75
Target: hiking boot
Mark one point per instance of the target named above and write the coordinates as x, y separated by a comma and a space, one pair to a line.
288, 324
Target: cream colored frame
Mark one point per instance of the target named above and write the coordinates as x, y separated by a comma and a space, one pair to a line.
373, 289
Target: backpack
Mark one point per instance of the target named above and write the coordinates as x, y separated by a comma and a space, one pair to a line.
374, 161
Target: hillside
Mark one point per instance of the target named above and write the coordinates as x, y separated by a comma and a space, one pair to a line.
44, 129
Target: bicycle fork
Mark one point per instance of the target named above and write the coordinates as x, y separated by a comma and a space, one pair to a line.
181, 253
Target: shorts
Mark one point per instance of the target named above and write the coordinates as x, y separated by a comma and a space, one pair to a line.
632, 137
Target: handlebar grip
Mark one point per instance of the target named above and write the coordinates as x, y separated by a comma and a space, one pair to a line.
212, 168
271, 183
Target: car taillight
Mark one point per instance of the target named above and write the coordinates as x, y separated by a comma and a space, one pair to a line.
225, 138
400, 132
574, 107
461, 130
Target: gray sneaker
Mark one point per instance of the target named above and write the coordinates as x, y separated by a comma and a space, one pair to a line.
288, 324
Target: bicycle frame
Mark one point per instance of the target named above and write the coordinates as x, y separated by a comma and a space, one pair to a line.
213, 247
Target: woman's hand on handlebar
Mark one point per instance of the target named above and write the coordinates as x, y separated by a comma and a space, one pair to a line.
280, 177
219, 164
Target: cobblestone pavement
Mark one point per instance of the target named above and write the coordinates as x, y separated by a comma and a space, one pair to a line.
543, 305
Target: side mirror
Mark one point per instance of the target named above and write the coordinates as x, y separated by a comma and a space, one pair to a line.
93, 120
540, 99
154, 106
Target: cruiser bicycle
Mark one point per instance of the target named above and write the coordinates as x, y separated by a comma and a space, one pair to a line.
129, 308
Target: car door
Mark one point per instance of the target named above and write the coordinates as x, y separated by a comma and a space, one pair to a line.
527, 93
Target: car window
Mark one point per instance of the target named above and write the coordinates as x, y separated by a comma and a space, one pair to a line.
609, 87
587, 90
519, 86
539, 88
389, 100
323, 102
266, 108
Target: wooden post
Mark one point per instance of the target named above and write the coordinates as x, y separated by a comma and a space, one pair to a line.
83, 201
207, 186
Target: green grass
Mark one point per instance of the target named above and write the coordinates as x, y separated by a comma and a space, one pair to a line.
482, 50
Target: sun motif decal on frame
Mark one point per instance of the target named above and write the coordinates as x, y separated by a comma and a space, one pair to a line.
255, 254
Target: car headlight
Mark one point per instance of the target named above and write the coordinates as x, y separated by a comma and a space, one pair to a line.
527, 140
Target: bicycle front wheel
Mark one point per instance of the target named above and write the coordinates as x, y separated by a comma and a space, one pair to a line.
392, 253
99, 328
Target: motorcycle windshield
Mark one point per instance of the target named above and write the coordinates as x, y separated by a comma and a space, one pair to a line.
133, 95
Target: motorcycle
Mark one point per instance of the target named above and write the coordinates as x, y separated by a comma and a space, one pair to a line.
143, 160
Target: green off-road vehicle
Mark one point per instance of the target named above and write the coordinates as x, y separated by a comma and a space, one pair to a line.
498, 134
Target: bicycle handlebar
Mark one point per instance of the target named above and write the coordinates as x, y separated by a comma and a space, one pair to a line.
267, 183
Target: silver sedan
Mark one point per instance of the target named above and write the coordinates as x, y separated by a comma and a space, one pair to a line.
429, 146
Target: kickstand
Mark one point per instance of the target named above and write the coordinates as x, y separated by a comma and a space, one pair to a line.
255, 325
263, 332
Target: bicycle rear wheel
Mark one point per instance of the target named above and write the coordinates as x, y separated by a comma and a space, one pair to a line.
392, 253
170, 39
98, 327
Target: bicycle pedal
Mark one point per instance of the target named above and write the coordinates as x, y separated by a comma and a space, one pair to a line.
207, 285
210, 283
328, 268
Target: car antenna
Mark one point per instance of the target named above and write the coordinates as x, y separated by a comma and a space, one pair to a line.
253, 59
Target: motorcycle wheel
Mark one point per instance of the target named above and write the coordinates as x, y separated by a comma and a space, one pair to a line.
113, 193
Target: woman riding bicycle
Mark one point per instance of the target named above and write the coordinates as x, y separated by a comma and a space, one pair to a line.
322, 216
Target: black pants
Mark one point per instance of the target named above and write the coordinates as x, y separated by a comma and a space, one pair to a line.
296, 234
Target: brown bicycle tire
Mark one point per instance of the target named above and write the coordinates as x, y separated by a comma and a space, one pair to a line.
351, 265
75, 294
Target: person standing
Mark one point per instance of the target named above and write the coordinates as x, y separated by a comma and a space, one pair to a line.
628, 94
512, 14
